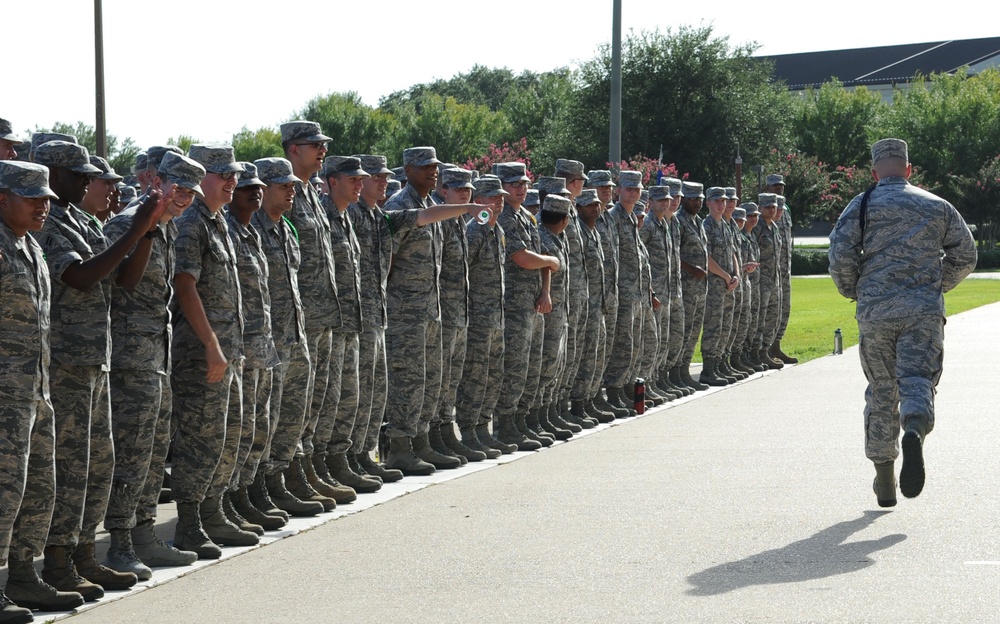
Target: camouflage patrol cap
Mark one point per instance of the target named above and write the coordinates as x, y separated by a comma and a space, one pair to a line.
774, 178
107, 171
889, 148
216, 158
644, 196
314, 179
154, 155
557, 204
715, 192
750, 208
140, 163
780, 200
765, 200
25, 179
131, 180
373, 165
740, 214
249, 176
65, 155
399, 174
44, 137
343, 165
456, 178
420, 156
731, 193
128, 194
587, 198
599, 177
509, 172
489, 186
553, 185
392, 188
530, 199
659, 192
443, 165
570, 169
183, 171
630, 179
475, 175
275, 171
7, 132
296, 132
639, 209
673, 184
690, 190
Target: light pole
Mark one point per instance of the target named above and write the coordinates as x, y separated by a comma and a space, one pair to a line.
100, 129
615, 143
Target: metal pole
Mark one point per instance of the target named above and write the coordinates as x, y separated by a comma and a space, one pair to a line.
615, 142
100, 130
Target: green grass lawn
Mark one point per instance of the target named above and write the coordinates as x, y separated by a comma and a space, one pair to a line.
818, 310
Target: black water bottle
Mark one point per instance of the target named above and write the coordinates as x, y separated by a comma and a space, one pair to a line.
640, 396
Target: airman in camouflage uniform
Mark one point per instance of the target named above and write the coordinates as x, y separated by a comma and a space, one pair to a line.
728, 363
655, 235
482, 375
27, 491
674, 342
751, 285
80, 261
722, 282
897, 258
775, 183
554, 217
8, 141
623, 358
694, 264
140, 374
207, 355
769, 242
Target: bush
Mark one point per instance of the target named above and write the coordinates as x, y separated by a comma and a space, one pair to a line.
988, 259
810, 262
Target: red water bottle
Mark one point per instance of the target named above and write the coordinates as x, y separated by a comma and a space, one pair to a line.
640, 396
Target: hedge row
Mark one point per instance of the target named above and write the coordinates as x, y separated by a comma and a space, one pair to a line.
816, 261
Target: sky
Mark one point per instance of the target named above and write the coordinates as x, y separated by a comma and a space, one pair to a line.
207, 68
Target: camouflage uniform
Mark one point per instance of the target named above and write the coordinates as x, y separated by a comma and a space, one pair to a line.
140, 368
899, 281
81, 353
655, 236
785, 271
413, 336
279, 242
454, 281
694, 251
769, 243
27, 487
674, 298
719, 301
733, 327
524, 328
553, 360
578, 307
588, 378
259, 350
624, 351
207, 415
483, 374
609, 244
648, 336
751, 286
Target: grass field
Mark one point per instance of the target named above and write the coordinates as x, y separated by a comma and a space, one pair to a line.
818, 310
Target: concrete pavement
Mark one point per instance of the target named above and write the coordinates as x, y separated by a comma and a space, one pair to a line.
751, 503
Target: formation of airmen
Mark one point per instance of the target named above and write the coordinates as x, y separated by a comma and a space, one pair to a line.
271, 325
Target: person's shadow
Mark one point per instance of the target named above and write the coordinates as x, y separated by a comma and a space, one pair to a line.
824, 554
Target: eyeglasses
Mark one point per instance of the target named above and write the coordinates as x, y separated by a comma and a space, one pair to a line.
229, 175
315, 144
518, 184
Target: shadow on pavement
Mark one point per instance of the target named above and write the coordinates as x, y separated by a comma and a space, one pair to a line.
822, 555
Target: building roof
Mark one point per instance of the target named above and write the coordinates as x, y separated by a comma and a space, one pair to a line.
886, 64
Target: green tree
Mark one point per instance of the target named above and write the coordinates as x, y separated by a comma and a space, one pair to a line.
837, 125
457, 131
183, 141
249, 145
121, 153
353, 126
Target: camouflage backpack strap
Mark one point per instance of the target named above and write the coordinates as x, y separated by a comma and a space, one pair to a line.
863, 212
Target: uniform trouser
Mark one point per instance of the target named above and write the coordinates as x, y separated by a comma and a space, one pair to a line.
605, 347
325, 403
342, 395
750, 342
201, 412
257, 410
675, 341
290, 392
28, 495
770, 314
649, 342
662, 319
786, 304
372, 389
624, 357
522, 358
739, 337
553, 360
902, 360
479, 388
588, 382
229, 460
85, 458
145, 511
694, 292
719, 304
576, 326
413, 359
320, 353
454, 343
136, 397
26, 474
735, 320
